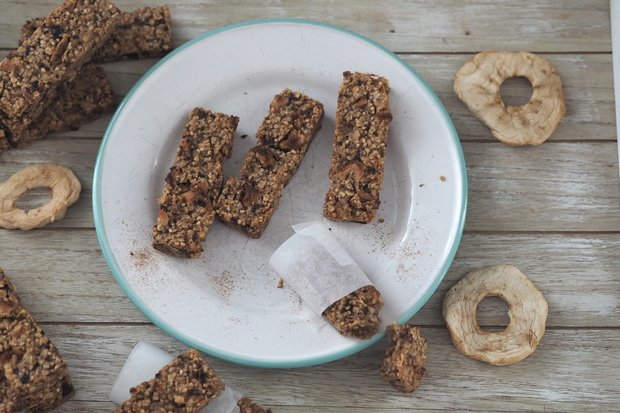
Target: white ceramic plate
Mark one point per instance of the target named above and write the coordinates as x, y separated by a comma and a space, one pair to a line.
227, 303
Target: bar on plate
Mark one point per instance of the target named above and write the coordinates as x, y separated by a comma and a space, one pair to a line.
248, 202
356, 314
186, 208
360, 141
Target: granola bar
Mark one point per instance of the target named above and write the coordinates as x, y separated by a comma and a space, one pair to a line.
143, 33
193, 184
403, 365
56, 393
30, 75
362, 120
33, 375
246, 405
248, 202
186, 385
78, 102
4, 141
356, 314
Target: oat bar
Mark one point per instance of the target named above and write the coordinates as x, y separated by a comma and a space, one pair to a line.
193, 184
78, 102
248, 202
186, 385
33, 375
403, 365
356, 314
362, 120
143, 33
30, 75
246, 405
4, 141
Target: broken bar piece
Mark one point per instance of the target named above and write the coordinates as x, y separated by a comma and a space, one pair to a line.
186, 208
360, 141
143, 33
31, 75
246, 405
185, 385
356, 314
403, 365
248, 202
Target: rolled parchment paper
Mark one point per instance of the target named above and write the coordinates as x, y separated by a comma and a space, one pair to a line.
317, 267
145, 361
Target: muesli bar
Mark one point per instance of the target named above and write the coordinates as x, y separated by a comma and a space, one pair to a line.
356, 314
30, 360
33, 375
67, 39
78, 102
403, 365
186, 385
360, 140
143, 33
248, 202
4, 141
186, 208
55, 394
246, 405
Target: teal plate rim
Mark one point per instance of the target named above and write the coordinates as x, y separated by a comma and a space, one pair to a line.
255, 362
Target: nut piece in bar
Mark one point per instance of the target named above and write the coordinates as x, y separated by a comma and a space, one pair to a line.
186, 208
246, 405
33, 375
356, 314
362, 120
143, 33
248, 202
403, 365
185, 385
31, 75
78, 102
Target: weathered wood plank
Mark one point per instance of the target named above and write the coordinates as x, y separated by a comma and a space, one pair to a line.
565, 373
403, 26
63, 277
550, 187
587, 84
568, 186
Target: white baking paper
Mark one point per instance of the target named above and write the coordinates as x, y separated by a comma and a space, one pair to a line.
317, 267
145, 361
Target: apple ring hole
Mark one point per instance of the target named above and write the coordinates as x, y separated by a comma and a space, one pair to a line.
492, 314
516, 91
34, 198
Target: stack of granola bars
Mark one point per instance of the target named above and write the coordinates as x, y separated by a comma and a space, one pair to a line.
50, 83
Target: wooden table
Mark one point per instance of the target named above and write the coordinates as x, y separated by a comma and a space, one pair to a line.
552, 210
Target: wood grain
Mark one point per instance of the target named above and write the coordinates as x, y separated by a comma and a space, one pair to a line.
402, 26
566, 372
552, 210
577, 273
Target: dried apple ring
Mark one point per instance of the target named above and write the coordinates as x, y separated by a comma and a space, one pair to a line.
528, 314
65, 191
478, 83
